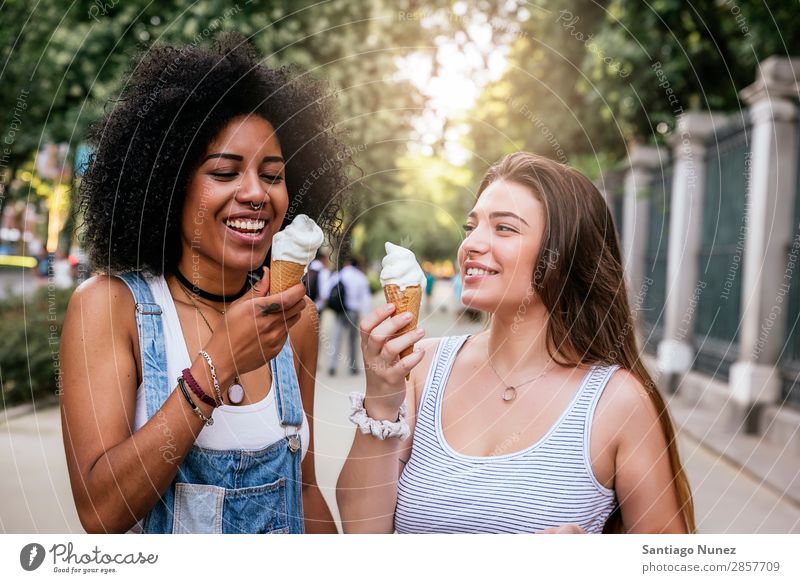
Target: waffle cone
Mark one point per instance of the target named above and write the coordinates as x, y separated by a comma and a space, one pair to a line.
405, 301
284, 274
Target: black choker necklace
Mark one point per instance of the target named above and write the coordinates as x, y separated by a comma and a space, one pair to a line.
209, 296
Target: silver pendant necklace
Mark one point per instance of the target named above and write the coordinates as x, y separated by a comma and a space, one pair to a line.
510, 391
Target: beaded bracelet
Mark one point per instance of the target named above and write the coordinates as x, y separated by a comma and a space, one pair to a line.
214, 380
195, 387
195, 409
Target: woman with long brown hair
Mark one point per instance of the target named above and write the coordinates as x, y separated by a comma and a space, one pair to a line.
548, 420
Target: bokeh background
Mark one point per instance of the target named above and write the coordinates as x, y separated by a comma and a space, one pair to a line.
683, 112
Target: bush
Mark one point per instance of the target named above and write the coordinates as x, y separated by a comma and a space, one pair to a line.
374, 283
30, 332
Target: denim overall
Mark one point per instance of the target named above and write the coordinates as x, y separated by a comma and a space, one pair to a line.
232, 491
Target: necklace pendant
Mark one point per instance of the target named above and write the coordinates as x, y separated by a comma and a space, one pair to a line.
509, 394
236, 393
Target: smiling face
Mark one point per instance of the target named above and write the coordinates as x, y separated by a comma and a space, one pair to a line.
243, 166
503, 237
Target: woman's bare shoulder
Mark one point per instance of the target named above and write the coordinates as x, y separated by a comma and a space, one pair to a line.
104, 290
104, 302
625, 408
626, 392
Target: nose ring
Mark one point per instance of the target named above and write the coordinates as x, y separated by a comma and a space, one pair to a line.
257, 207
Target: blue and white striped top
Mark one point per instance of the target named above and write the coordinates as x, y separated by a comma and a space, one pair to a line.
545, 485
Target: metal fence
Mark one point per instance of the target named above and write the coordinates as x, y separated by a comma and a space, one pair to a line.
721, 254
618, 208
654, 284
790, 361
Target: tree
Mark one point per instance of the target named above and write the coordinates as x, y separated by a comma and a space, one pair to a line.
587, 77
540, 103
704, 52
70, 62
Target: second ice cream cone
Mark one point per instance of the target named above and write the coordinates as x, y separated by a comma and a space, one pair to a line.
283, 275
407, 300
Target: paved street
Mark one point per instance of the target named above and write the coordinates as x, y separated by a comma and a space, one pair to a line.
17, 281
35, 494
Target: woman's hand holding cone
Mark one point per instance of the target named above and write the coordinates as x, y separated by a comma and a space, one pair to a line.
255, 327
384, 368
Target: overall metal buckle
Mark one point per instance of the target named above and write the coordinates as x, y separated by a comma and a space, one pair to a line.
292, 439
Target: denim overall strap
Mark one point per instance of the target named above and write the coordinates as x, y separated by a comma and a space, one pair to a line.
290, 412
157, 387
290, 406
230, 491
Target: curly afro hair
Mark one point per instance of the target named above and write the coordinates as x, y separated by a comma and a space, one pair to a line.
176, 100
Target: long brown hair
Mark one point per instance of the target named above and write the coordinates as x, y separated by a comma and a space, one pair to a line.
580, 280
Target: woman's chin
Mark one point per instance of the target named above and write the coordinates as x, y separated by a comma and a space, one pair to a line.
245, 262
478, 302
495, 304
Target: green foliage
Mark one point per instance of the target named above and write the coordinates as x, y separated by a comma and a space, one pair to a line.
30, 329
586, 77
580, 82
540, 103
374, 282
705, 51
70, 60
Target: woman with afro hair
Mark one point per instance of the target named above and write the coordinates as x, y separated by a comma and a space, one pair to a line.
187, 388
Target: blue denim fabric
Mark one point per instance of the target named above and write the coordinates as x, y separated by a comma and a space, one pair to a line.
233, 491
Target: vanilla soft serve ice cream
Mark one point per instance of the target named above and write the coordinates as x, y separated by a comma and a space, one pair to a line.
298, 242
403, 280
400, 268
292, 251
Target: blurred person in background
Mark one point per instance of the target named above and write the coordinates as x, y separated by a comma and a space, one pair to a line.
44, 263
458, 307
316, 280
62, 271
350, 298
430, 281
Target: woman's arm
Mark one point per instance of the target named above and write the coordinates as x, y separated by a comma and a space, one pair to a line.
305, 340
117, 476
367, 487
644, 478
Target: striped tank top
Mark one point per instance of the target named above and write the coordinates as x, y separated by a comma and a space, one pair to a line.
548, 484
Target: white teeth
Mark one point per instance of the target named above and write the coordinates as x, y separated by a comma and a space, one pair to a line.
476, 271
246, 224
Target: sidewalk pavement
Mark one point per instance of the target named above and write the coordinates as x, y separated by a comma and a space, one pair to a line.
16, 281
36, 498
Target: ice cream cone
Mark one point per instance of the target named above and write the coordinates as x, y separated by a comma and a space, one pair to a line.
284, 274
293, 248
407, 300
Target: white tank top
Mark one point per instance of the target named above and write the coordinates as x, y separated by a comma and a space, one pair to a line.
248, 427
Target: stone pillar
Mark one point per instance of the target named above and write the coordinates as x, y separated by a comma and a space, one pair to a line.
773, 111
643, 162
675, 352
607, 184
